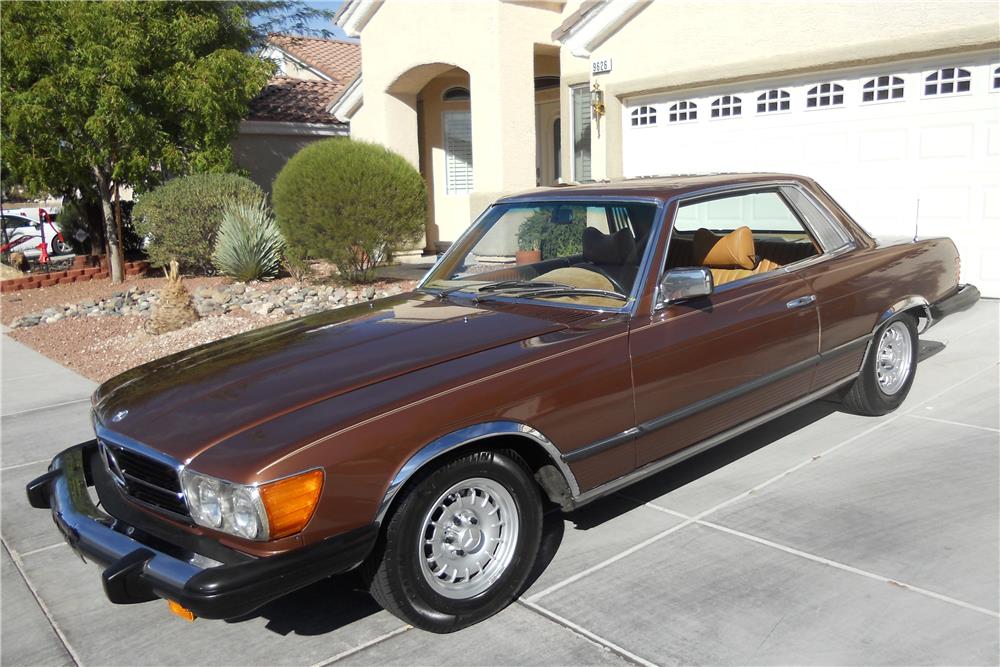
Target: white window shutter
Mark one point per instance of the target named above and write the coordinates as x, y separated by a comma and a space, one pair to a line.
581, 133
458, 151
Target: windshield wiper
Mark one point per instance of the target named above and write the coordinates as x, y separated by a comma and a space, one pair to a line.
502, 285
561, 290
520, 284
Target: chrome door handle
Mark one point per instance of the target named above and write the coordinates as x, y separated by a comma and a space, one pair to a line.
801, 301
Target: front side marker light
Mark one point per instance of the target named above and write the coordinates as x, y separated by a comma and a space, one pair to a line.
180, 610
290, 502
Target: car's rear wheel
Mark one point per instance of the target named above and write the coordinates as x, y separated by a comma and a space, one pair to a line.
461, 543
889, 369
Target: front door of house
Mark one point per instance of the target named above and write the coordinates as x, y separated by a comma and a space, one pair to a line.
547, 143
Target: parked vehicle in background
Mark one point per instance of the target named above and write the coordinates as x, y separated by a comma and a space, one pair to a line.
20, 233
420, 437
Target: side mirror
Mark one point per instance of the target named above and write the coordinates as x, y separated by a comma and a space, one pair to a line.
680, 284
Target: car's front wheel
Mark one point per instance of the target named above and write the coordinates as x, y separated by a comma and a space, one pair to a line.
888, 370
60, 247
461, 543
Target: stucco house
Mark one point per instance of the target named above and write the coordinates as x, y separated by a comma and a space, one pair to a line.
294, 107
894, 107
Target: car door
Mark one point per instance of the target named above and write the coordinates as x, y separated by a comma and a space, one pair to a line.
709, 364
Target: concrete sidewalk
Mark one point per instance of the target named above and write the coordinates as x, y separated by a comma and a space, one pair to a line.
821, 538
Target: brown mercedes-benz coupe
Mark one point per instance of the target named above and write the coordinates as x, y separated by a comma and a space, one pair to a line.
574, 340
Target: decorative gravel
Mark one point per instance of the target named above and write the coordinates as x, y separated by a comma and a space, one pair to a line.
102, 334
25, 302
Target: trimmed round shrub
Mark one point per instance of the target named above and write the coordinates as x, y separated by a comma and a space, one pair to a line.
248, 245
353, 203
181, 218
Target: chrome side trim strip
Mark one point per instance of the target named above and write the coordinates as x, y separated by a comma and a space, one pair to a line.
907, 303
465, 436
601, 445
710, 402
697, 448
728, 395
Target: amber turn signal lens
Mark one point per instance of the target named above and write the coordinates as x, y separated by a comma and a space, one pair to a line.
290, 502
181, 610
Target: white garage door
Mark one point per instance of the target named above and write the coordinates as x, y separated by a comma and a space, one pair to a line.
901, 147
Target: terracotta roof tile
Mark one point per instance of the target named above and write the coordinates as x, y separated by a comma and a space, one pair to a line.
296, 101
338, 59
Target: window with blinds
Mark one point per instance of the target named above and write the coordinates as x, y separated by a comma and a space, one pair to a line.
458, 151
581, 133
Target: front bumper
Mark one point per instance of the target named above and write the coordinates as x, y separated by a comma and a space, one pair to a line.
138, 568
964, 298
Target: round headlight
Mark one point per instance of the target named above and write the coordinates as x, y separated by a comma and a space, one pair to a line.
208, 502
245, 520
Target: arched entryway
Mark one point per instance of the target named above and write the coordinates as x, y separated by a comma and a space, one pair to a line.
440, 96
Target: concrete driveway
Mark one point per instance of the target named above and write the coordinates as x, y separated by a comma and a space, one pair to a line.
821, 538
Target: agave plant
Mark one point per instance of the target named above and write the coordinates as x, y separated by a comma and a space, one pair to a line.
249, 245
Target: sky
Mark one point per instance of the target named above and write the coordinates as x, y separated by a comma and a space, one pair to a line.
325, 24
319, 24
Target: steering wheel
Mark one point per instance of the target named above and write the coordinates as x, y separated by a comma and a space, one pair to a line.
601, 272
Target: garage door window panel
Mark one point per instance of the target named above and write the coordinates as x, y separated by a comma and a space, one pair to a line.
774, 101
825, 95
644, 116
727, 106
948, 81
882, 89
739, 236
683, 112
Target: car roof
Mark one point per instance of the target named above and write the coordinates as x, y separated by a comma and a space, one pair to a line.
660, 187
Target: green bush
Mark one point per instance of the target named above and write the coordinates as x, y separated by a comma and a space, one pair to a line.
353, 203
537, 232
181, 217
248, 245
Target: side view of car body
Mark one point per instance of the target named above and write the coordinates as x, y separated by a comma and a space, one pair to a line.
419, 437
19, 233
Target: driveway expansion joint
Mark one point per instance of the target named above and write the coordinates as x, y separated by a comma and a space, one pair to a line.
586, 634
826, 561
363, 647
16, 559
812, 459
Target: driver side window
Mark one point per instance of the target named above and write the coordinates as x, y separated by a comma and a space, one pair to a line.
738, 236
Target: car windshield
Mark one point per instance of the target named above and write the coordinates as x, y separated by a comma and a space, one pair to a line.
577, 252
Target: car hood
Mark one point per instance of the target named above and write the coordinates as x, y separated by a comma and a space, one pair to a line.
188, 402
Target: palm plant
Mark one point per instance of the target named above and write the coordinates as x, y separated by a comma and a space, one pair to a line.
249, 244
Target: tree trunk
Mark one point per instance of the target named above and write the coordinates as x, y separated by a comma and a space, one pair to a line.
95, 225
110, 227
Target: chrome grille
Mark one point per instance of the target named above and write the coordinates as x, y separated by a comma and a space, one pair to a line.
147, 480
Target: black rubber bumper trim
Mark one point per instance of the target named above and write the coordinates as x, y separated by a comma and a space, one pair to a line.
233, 590
963, 299
138, 572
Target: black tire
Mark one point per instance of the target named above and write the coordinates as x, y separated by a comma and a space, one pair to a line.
393, 571
866, 397
60, 248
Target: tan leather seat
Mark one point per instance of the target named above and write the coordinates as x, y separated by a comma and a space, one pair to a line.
730, 257
771, 255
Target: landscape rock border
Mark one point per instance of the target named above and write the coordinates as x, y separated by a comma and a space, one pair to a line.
277, 301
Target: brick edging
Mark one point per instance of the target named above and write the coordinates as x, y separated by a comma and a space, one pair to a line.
74, 275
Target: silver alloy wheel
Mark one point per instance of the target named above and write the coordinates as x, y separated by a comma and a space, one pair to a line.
893, 358
468, 538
